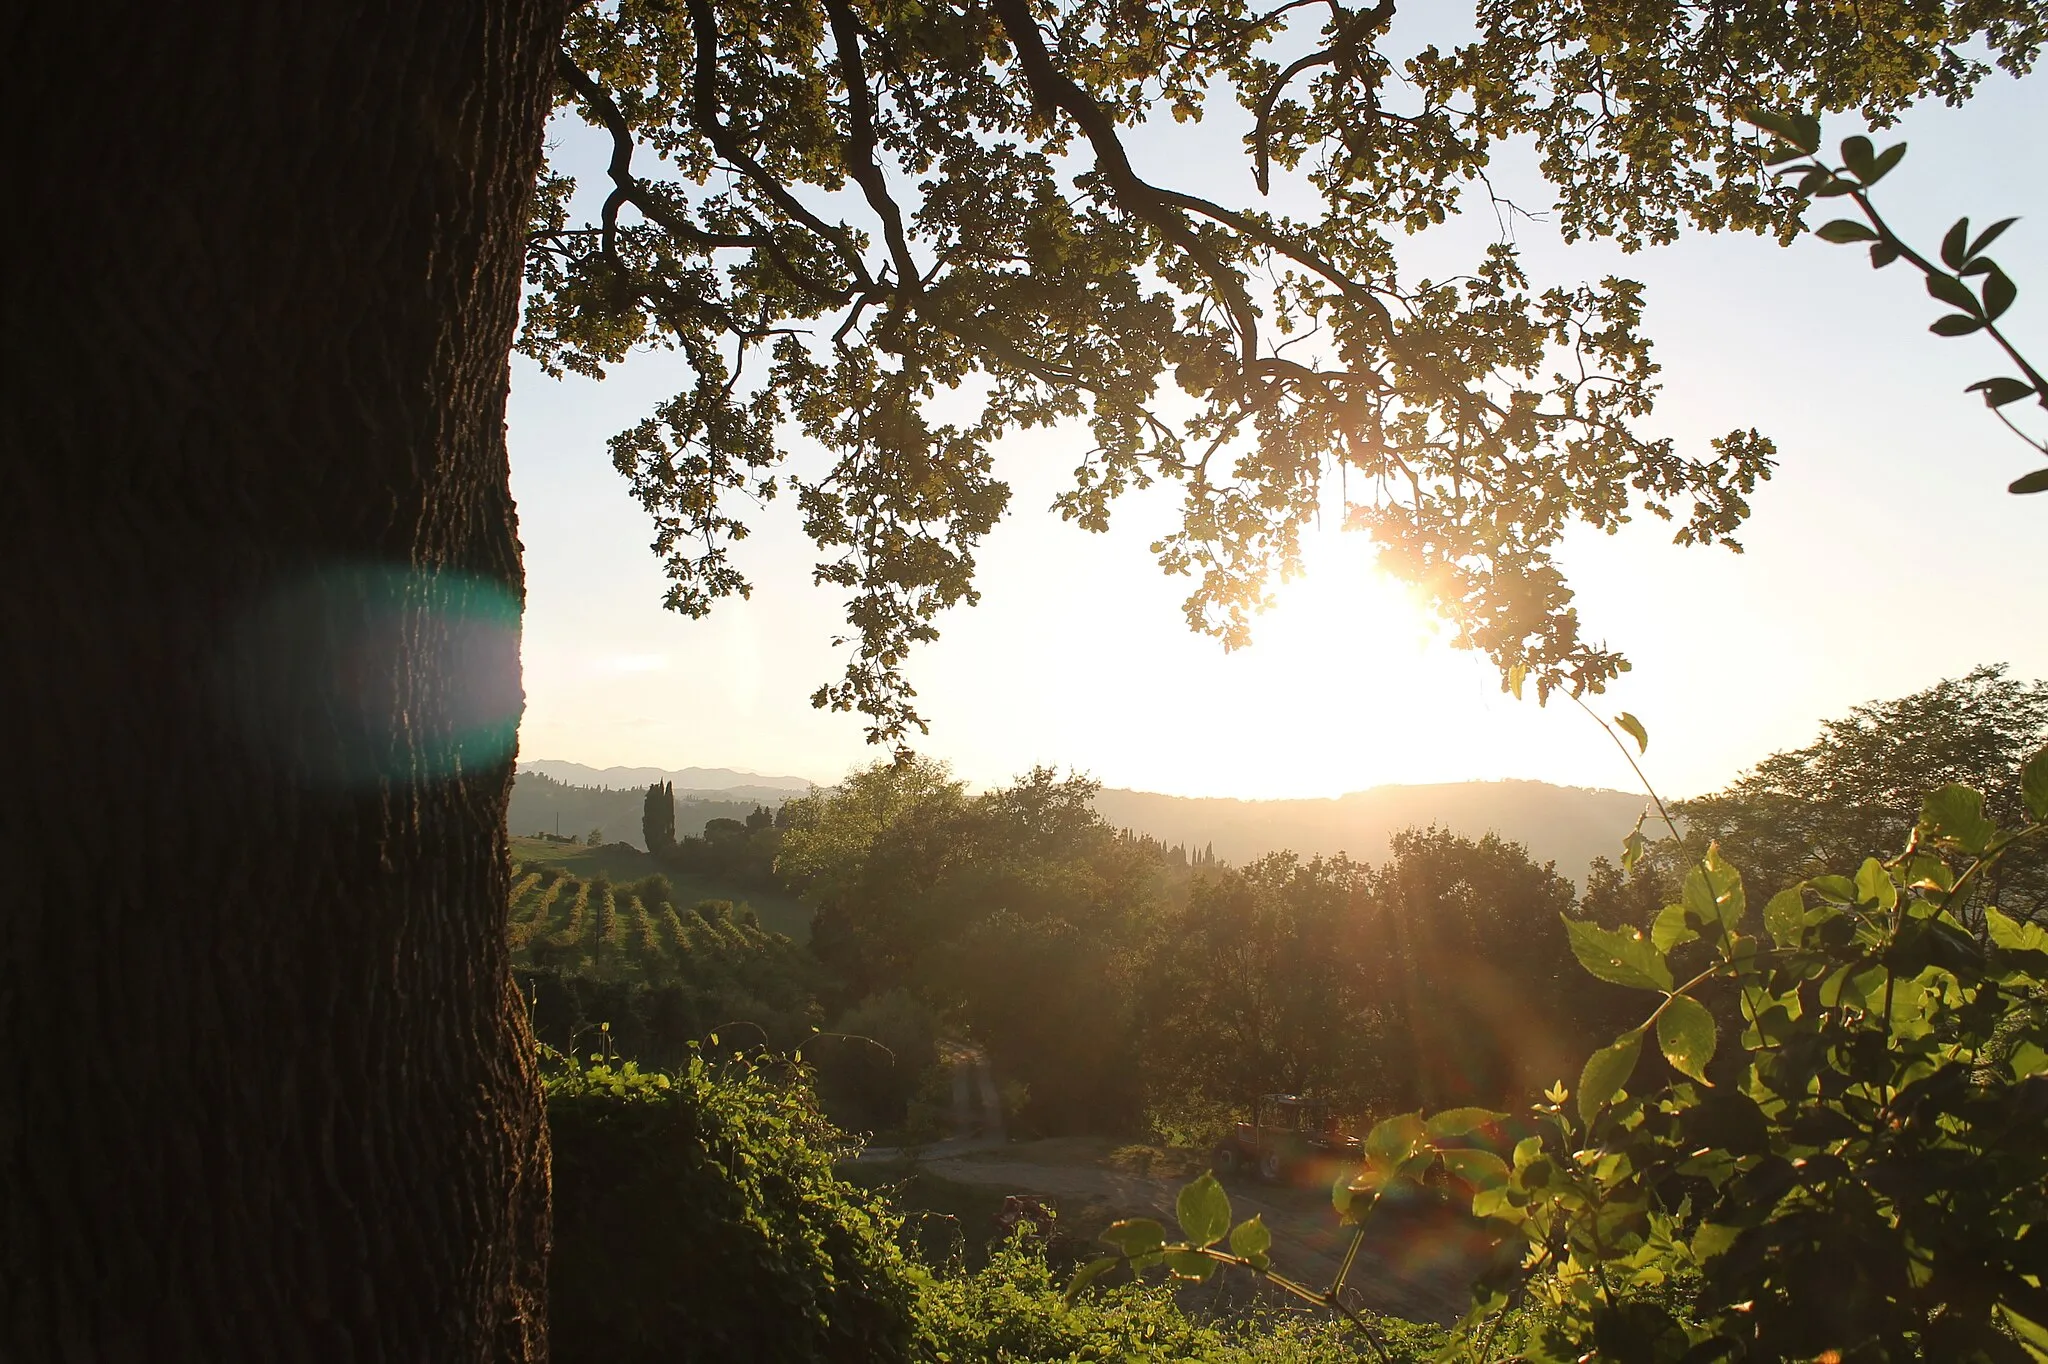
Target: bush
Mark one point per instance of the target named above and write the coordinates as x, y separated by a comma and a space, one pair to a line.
697, 1217
1012, 1312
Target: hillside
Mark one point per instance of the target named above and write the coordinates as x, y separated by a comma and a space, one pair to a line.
1568, 825
620, 865
545, 804
722, 783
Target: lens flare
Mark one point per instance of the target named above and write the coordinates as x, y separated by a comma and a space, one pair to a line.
357, 675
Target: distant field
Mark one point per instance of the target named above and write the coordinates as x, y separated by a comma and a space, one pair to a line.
621, 863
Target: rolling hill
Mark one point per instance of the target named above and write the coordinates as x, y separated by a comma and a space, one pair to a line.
1568, 825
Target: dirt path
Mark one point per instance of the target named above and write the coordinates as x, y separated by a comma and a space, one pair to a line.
1408, 1267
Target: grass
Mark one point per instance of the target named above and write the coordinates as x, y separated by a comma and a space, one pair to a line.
622, 862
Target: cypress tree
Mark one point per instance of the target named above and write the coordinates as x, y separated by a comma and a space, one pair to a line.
658, 818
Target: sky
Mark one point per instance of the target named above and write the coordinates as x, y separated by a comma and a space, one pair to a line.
1884, 555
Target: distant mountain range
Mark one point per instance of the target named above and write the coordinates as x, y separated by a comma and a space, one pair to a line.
720, 781
1568, 825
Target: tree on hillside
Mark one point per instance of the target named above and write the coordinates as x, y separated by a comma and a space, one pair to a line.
1856, 791
270, 560
658, 821
1260, 984
1483, 1000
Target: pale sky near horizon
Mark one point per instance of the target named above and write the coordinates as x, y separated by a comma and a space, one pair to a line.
1884, 556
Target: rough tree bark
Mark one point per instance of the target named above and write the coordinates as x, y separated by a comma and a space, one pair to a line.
268, 1093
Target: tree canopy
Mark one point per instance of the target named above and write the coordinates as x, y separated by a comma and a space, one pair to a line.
882, 234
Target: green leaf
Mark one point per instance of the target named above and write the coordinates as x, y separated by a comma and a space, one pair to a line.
1633, 847
2034, 782
1886, 159
1999, 292
1840, 889
1671, 929
1635, 729
1480, 1169
1954, 816
1955, 247
1856, 154
1089, 1273
1874, 885
1955, 324
1990, 235
1392, 1142
2036, 482
1713, 891
1607, 1070
1204, 1211
1785, 917
1135, 1237
2000, 391
1843, 231
1624, 957
1953, 292
1458, 1122
2011, 935
1801, 130
1883, 254
1251, 1241
1189, 1264
1517, 675
1685, 1034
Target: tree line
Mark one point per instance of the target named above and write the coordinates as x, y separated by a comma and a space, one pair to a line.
1123, 986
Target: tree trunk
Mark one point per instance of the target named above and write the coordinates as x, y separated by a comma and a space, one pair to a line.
268, 1090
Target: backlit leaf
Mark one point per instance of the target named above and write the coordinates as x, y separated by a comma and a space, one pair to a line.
1874, 885
1635, 729
1088, 1273
1622, 956
1135, 1236
1607, 1070
1251, 1241
2034, 782
1480, 1169
1785, 917
1671, 929
2012, 935
1713, 891
1686, 1035
1458, 1122
1954, 816
1393, 1141
1204, 1211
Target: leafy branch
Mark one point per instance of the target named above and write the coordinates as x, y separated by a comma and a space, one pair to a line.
1978, 306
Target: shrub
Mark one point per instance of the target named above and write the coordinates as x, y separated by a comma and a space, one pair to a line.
1012, 1312
697, 1217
